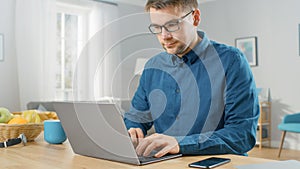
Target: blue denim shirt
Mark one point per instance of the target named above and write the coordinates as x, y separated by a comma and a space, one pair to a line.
206, 99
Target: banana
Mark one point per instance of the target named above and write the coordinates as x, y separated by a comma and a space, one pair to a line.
31, 116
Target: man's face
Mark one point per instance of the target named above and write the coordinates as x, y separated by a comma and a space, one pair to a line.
177, 42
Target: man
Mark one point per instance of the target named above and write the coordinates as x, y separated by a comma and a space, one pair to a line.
199, 95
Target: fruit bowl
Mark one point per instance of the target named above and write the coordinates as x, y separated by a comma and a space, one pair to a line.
31, 129
9, 131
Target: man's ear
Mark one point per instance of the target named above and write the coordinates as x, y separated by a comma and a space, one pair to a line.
197, 17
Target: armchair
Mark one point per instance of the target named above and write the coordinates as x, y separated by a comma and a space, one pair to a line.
290, 123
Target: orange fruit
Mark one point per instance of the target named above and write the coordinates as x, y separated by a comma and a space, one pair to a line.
18, 120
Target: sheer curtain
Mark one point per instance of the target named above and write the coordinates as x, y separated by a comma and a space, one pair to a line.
35, 28
35, 48
101, 55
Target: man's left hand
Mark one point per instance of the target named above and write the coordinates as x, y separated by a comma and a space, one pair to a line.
166, 144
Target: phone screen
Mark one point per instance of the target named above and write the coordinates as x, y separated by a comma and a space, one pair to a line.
210, 162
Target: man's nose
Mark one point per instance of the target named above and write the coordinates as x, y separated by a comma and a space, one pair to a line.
164, 33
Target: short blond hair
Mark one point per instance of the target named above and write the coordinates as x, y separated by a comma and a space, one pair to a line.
184, 5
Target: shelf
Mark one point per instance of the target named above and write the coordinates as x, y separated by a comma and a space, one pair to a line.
263, 133
259, 143
264, 141
265, 104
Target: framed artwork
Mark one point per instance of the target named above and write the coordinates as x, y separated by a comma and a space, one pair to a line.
248, 46
1, 47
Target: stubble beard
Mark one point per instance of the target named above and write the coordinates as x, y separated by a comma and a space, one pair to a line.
179, 51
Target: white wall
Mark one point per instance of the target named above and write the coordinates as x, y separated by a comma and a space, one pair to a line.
9, 90
137, 42
275, 23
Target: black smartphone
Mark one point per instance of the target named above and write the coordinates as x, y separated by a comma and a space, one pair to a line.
210, 162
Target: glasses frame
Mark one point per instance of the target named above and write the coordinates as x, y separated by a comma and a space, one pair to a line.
177, 21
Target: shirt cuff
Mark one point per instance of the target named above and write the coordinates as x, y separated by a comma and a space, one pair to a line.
187, 145
130, 124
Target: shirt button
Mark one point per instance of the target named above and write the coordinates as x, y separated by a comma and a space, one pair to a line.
177, 90
177, 118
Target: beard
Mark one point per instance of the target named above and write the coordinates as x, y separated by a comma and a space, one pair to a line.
179, 48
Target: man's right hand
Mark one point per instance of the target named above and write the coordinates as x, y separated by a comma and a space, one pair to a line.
136, 134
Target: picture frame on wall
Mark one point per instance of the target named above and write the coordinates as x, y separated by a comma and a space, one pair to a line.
1, 47
248, 45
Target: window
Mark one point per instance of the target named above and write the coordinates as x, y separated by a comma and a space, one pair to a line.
70, 39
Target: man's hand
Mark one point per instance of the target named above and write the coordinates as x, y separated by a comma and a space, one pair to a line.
136, 134
166, 144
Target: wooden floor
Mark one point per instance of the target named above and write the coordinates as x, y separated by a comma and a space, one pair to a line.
271, 153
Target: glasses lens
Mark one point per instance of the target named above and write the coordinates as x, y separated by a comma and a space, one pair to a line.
172, 26
155, 29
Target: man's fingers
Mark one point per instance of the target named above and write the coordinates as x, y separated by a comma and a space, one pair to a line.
154, 145
139, 133
162, 152
142, 146
135, 134
132, 133
172, 148
147, 145
139, 136
167, 144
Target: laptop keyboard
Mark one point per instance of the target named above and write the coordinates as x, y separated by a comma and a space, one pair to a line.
150, 159
147, 158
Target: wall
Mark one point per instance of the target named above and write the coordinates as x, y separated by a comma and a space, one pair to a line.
275, 23
9, 90
136, 42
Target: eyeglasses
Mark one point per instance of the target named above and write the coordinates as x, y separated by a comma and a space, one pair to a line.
170, 26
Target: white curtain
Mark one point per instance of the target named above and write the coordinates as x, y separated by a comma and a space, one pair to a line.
35, 48
35, 28
101, 55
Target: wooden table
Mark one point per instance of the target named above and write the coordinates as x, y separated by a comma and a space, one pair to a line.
41, 155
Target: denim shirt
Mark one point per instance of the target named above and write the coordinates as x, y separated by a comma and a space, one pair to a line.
206, 99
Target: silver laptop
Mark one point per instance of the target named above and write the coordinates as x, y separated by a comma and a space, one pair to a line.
98, 130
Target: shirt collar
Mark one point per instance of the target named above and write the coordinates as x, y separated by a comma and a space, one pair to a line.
201, 47
196, 53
